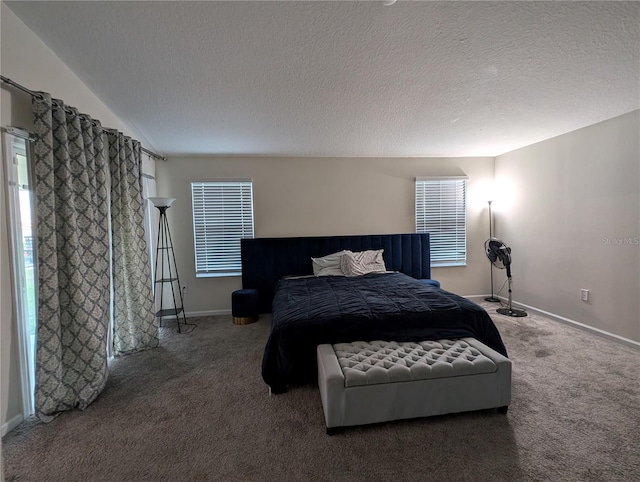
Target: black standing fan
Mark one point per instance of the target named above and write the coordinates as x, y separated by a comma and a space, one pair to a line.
500, 256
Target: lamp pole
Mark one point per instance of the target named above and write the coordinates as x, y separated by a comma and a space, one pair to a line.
491, 299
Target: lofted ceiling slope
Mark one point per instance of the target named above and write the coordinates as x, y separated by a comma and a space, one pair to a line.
348, 79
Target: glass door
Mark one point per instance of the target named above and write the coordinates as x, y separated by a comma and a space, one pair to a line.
22, 237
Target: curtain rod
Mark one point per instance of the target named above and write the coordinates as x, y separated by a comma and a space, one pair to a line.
106, 130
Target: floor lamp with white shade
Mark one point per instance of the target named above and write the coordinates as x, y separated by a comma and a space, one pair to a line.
167, 274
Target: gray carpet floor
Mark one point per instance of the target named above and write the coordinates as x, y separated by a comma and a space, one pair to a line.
196, 408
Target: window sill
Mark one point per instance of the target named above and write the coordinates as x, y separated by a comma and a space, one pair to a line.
447, 265
218, 275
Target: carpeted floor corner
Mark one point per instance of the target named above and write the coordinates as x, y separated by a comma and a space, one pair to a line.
196, 408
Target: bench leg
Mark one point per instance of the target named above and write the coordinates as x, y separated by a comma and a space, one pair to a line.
503, 410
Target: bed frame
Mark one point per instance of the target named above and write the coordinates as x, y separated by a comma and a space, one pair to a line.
267, 260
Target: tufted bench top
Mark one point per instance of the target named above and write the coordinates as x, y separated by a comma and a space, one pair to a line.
375, 362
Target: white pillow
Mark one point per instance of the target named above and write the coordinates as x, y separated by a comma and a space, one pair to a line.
363, 262
329, 265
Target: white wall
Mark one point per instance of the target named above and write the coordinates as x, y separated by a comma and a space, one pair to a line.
574, 222
323, 196
26, 60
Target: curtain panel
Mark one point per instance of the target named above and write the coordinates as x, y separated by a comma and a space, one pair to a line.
70, 165
135, 326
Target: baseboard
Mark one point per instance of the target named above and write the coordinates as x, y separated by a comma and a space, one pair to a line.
605, 334
477, 296
193, 314
11, 424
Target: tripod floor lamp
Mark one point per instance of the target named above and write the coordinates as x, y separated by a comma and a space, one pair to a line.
491, 298
166, 275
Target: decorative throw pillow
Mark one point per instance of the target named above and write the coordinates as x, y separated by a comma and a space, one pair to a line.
329, 265
363, 262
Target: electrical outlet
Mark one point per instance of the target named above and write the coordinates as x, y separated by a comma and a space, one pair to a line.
584, 295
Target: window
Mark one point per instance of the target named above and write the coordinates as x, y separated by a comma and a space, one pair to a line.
151, 215
441, 211
20, 212
222, 215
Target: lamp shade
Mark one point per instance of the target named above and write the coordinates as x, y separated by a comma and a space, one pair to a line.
162, 202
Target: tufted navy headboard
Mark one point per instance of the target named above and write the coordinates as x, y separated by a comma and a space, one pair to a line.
267, 260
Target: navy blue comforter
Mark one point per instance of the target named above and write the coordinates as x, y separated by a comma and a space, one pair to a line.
335, 309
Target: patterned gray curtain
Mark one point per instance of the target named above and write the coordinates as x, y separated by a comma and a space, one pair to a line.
135, 325
73, 257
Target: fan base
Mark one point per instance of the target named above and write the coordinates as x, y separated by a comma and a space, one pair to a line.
492, 299
511, 312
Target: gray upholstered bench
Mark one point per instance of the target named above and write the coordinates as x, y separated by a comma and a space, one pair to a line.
378, 381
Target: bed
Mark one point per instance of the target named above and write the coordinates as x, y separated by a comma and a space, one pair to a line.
312, 310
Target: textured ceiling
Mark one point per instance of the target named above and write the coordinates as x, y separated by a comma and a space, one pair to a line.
349, 78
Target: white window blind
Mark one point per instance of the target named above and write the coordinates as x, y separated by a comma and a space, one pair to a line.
441, 211
222, 215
